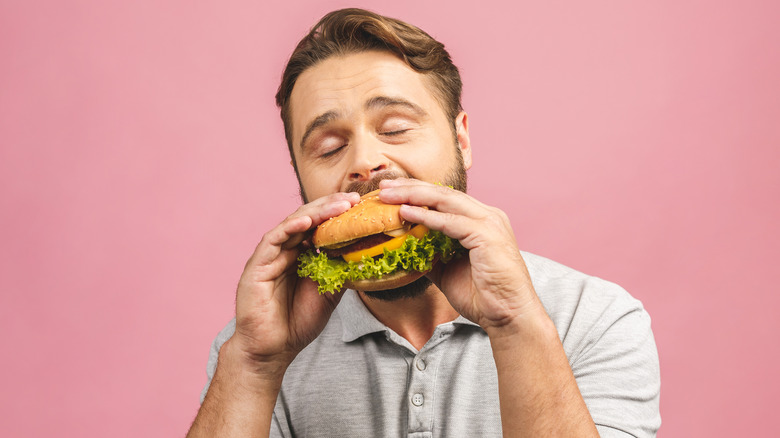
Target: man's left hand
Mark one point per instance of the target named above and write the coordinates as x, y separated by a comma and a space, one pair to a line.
490, 285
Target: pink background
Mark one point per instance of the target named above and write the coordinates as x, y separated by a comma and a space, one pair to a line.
142, 159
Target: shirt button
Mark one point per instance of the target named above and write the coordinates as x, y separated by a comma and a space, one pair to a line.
417, 399
420, 364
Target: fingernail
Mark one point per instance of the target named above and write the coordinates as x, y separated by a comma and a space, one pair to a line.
407, 209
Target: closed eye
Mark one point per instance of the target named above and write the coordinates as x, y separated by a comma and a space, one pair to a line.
333, 152
399, 132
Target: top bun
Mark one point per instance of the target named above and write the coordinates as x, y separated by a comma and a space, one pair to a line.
367, 217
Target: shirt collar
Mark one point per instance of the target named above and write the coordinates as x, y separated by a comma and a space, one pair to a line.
357, 320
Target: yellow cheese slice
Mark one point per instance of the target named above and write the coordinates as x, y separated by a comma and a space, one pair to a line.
419, 231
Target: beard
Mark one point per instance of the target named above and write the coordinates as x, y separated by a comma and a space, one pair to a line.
456, 178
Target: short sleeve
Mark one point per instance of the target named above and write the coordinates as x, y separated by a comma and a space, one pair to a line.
211, 365
616, 362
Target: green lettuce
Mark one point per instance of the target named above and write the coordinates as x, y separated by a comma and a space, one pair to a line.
415, 254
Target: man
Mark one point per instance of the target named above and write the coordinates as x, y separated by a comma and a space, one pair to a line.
497, 342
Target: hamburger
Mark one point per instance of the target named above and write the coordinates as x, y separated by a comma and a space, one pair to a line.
370, 247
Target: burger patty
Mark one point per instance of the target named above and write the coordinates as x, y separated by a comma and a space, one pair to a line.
365, 242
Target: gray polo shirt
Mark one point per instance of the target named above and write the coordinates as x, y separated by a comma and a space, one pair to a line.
361, 379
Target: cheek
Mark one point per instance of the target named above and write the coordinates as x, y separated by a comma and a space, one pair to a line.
319, 182
429, 164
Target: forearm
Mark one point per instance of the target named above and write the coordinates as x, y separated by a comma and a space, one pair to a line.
239, 402
537, 390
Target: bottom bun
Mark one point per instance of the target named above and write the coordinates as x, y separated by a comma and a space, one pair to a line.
392, 281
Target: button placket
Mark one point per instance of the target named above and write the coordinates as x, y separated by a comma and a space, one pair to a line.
422, 382
421, 390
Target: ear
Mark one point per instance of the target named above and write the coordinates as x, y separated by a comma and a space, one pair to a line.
462, 133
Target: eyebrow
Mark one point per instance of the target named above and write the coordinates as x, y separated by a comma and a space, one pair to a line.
374, 103
379, 102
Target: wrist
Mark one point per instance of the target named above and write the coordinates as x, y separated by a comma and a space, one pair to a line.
250, 370
531, 328
241, 398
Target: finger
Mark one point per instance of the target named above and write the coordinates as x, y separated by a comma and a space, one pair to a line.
453, 225
321, 210
270, 246
291, 231
326, 207
255, 275
437, 197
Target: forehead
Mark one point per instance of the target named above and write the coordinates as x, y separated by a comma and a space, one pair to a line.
344, 83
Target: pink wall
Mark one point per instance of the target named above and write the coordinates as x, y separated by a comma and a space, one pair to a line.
142, 159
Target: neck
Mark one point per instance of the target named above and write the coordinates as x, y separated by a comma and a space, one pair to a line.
413, 318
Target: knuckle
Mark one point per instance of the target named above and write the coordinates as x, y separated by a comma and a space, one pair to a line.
442, 188
495, 223
498, 216
264, 241
446, 222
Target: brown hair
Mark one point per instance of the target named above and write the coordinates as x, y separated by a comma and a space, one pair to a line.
354, 30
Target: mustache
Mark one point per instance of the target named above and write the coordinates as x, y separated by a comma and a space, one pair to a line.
369, 186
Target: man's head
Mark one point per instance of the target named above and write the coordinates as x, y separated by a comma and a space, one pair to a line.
364, 95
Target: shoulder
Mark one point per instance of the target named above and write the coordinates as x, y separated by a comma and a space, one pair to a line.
551, 278
589, 312
574, 299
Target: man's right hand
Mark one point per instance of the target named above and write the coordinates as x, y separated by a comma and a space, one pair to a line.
278, 313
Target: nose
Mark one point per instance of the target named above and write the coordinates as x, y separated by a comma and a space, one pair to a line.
368, 159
